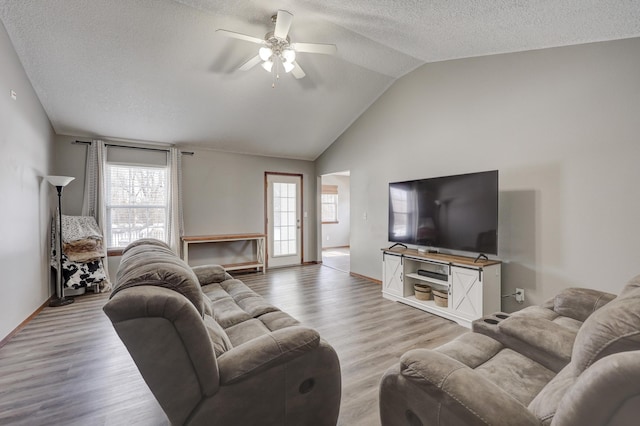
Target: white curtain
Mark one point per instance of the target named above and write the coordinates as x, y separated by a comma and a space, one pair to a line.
175, 222
93, 201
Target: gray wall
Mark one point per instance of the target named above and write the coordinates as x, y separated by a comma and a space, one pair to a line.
70, 160
26, 139
337, 234
561, 125
223, 193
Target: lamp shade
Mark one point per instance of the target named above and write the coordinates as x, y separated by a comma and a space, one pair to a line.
59, 180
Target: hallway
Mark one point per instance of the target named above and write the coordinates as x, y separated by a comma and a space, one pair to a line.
337, 258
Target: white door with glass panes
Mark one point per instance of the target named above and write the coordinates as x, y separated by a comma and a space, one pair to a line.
284, 226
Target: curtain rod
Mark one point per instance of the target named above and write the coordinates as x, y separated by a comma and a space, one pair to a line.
132, 147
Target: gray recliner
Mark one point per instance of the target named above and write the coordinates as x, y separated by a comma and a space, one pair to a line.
500, 380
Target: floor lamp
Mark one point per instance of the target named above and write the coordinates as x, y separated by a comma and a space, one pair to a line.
59, 182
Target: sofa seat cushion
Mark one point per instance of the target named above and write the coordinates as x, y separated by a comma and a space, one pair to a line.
215, 292
246, 331
519, 376
434, 389
278, 320
256, 306
227, 312
237, 289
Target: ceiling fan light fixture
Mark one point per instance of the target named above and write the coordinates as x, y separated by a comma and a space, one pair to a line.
267, 65
265, 53
277, 49
288, 66
289, 55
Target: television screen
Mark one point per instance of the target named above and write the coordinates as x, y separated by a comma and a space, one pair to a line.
452, 212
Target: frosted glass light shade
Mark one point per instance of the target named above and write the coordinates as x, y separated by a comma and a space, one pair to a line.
265, 53
59, 180
289, 55
288, 66
268, 65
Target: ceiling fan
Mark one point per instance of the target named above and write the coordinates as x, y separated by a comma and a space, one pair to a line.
276, 48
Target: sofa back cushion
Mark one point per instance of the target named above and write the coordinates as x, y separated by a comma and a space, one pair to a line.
151, 262
210, 274
611, 329
146, 242
580, 303
633, 284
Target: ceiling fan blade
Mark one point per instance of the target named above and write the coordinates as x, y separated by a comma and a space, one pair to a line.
326, 49
283, 23
250, 63
297, 71
240, 36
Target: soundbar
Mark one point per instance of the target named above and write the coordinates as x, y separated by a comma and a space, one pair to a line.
442, 277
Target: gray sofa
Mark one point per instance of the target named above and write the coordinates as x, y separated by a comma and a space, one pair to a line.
575, 360
213, 352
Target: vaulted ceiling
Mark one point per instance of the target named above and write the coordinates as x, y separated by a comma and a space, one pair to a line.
156, 70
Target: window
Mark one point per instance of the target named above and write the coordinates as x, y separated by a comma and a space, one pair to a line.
284, 219
137, 203
329, 201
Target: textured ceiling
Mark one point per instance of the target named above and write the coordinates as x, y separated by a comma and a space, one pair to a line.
155, 70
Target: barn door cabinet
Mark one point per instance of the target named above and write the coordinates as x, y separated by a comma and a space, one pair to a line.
473, 287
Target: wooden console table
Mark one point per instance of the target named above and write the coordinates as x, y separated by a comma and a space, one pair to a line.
258, 262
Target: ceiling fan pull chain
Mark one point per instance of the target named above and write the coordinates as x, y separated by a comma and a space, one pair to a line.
276, 74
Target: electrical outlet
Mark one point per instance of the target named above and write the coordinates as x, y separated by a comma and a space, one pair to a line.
520, 295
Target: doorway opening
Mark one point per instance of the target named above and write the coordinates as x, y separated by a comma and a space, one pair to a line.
335, 215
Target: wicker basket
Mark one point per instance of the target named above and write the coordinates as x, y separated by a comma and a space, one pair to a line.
441, 298
423, 291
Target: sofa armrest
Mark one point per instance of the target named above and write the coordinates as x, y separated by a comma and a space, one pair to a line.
266, 351
579, 303
210, 274
464, 395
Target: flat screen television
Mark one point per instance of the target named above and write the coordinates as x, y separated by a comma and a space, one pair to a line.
457, 212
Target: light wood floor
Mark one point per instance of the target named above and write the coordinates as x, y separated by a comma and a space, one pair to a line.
337, 258
68, 367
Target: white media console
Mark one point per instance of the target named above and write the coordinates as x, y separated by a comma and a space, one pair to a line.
473, 287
